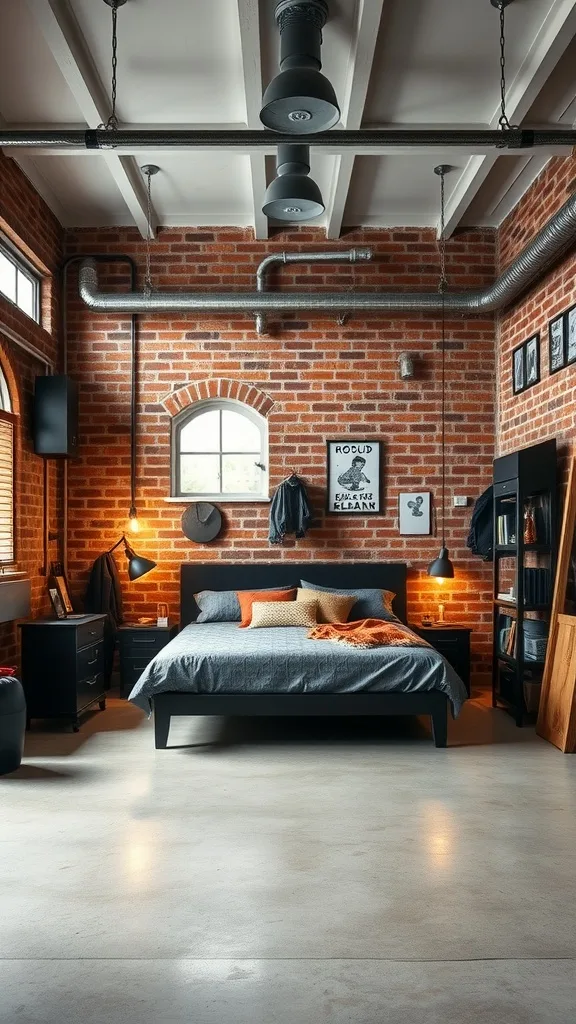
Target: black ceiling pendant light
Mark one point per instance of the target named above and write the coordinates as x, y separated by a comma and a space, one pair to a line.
293, 195
300, 100
442, 567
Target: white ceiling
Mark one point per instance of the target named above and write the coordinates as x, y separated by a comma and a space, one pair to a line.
194, 63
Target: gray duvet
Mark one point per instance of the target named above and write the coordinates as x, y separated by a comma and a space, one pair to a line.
219, 657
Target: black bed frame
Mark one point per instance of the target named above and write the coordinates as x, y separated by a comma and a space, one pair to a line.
198, 576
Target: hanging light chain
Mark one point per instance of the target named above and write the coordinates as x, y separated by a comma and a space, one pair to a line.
503, 119
443, 282
148, 274
441, 171
112, 122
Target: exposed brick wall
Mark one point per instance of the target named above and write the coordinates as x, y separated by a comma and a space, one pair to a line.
28, 222
549, 408
325, 381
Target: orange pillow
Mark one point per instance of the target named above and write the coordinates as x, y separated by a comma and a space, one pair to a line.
247, 597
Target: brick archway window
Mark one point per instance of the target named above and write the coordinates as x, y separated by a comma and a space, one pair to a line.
220, 450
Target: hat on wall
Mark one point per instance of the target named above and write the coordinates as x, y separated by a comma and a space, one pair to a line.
201, 522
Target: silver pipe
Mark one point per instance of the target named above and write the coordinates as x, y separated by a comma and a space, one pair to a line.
365, 138
545, 249
337, 256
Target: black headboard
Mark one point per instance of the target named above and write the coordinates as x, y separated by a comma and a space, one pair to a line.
197, 576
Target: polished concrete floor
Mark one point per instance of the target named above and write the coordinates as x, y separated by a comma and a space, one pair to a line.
288, 872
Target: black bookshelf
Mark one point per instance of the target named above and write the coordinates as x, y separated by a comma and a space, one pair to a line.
525, 484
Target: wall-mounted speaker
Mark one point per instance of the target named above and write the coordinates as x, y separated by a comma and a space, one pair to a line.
55, 416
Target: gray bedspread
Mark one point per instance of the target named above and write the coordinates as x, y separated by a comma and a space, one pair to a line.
218, 657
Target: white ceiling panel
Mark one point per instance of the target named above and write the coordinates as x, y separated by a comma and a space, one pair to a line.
202, 188
32, 88
85, 188
180, 60
396, 190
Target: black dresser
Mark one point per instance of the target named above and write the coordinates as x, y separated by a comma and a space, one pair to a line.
453, 643
138, 644
63, 666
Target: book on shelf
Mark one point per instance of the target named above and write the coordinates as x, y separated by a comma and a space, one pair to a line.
506, 528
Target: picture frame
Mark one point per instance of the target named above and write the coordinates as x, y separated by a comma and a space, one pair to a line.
59, 609
60, 584
557, 343
532, 361
354, 477
415, 513
570, 335
519, 369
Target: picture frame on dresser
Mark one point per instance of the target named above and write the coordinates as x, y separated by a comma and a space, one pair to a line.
557, 343
354, 477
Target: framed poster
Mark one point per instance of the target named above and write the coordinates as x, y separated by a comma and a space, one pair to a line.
353, 477
571, 335
57, 605
556, 341
58, 583
414, 512
518, 369
533, 360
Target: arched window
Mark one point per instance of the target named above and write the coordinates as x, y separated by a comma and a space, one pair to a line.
220, 450
7, 424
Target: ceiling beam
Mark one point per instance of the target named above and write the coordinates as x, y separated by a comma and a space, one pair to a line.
67, 45
357, 83
333, 149
30, 170
248, 16
552, 39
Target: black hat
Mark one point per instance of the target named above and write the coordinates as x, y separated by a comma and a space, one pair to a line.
201, 522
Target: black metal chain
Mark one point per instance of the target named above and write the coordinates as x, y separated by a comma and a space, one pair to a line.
112, 122
442, 285
148, 275
503, 119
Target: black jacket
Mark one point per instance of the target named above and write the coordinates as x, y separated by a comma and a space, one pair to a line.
481, 537
290, 511
104, 594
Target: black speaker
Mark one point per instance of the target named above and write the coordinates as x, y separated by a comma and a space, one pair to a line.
55, 419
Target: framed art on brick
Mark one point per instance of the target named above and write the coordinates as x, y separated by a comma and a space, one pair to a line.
414, 513
519, 369
557, 343
571, 335
526, 364
354, 485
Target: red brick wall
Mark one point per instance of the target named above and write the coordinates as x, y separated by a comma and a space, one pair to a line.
325, 381
28, 222
548, 409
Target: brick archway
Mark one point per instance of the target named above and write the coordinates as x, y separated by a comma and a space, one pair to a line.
219, 387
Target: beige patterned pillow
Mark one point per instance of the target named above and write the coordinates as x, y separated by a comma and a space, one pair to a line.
283, 613
331, 607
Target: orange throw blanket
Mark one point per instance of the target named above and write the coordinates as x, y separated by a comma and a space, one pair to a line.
366, 633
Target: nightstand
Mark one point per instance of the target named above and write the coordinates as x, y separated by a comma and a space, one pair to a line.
138, 644
63, 666
453, 642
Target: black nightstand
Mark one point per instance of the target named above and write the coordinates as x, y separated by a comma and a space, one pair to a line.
63, 666
138, 645
453, 642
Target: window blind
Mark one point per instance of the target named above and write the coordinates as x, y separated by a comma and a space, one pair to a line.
6, 488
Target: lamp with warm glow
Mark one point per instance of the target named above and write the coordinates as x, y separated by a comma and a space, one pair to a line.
137, 565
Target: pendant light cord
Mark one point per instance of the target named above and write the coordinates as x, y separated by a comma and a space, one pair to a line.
442, 285
112, 122
503, 121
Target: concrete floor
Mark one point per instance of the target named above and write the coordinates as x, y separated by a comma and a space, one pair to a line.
288, 872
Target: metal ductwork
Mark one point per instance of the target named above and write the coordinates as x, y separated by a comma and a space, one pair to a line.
336, 256
300, 100
293, 196
544, 250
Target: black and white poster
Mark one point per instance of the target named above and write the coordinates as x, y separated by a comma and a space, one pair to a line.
556, 344
353, 472
533, 360
518, 369
571, 332
414, 512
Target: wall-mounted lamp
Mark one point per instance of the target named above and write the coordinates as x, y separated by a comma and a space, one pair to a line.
137, 565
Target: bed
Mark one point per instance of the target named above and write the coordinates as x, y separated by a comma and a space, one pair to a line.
219, 669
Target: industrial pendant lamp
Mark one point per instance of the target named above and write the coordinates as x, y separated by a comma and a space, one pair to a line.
137, 565
300, 100
442, 567
293, 195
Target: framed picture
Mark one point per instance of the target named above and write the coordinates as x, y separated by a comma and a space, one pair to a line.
557, 343
414, 512
532, 360
571, 335
519, 369
60, 584
57, 605
353, 477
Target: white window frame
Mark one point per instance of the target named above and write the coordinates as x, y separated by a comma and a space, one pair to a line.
198, 409
7, 417
22, 266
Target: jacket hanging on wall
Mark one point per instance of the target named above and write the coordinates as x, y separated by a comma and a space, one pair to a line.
104, 595
481, 537
290, 511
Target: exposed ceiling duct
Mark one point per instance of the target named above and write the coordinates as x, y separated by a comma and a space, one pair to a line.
300, 100
540, 254
293, 196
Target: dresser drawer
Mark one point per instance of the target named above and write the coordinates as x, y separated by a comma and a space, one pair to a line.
89, 690
147, 640
89, 633
90, 660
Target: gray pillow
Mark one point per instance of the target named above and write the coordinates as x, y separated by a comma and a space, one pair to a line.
223, 605
370, 603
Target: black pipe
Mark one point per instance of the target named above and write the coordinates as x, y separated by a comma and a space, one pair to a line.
101, 258
511, 138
